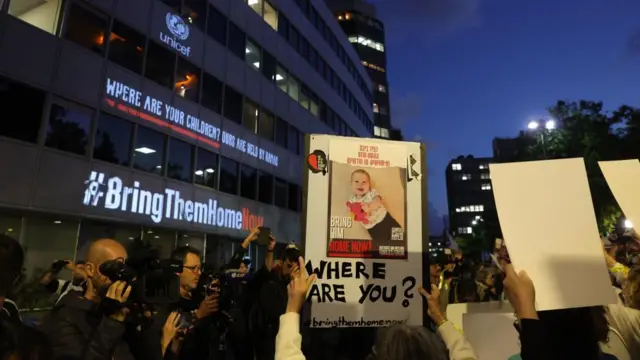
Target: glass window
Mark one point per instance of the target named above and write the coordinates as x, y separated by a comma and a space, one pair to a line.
43, 15
268, 66
280, 193
162, 239
148, 151
228, 176
248, 182
68, 128
180, 160
232, 105
211, 93
282, 78
84, 27
313, 58
12, 93
44, 240
187, 82
270, 15
293, 87
281, 132
160, 65
195, 13
294, 195
113, 139
253, 55
293, 139
314, 107
207, 169
256, 5
127, 47
283, 26
300, 143
250, 116
265, 125
265, 187
217, 25
304, 47
192, 239
294, 37
304, 97
237, 40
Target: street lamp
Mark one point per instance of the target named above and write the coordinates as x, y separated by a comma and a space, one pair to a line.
549, 125
628, 224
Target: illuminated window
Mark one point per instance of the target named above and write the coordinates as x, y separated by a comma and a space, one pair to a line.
256, 5
382, 88
149, 150
456, 166
376, 109
376, 131
270, 15
250, 115
471, 208
44, 14
281, 78
485, 176
253, 55
206, 173
373, 66
82, 26
367, 42
187, 80
465, 230
126, 47
293, 87
486, 186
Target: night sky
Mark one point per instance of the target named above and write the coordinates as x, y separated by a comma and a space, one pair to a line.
462, 72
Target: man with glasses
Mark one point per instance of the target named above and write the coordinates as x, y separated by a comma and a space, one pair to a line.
196, 311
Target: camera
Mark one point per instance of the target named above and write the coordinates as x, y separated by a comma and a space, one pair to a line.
226, 284
58, 265
152, 280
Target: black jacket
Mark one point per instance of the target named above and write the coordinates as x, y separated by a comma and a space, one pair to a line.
78, 330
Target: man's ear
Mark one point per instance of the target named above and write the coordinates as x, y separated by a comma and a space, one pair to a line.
90, 269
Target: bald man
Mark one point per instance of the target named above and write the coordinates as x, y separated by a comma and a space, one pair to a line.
76, 327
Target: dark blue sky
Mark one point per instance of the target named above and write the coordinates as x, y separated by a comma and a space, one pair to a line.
464, 71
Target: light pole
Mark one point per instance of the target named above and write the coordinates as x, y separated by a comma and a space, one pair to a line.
536, 126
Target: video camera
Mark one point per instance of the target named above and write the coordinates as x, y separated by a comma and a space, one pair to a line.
153, 280
225, 284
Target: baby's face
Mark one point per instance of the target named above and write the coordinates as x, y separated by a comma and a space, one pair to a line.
360, 184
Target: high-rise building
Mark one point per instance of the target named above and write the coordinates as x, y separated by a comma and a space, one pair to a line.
469, 192
366, 32
177, 121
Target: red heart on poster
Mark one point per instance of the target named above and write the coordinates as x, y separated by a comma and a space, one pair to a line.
312, 159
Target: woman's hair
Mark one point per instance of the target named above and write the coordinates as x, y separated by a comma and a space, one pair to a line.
403, 342
576, 333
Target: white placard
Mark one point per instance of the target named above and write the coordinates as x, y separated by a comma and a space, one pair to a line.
492, 336
549, 227
622, 178
364, 230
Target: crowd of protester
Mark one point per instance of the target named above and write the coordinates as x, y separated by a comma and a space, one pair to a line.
254, 311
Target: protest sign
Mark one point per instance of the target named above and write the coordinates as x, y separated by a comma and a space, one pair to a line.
365, 202
492, 335
549, 226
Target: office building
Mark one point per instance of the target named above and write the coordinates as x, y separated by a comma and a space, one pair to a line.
469, 193
366, 32
177, 121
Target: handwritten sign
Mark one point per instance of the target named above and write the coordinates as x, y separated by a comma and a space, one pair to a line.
368, 263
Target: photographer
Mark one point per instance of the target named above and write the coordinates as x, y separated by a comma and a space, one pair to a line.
196, 310
272, 301
78, 327
59, 288
17, 341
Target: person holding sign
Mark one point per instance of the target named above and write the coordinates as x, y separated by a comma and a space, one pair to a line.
394, 342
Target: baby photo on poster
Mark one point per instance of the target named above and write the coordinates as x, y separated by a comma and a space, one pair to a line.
367, 210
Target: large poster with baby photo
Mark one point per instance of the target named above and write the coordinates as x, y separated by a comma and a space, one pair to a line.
367, 205
366, 234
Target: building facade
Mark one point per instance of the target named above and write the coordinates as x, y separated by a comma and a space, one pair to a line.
366, 32
181, 122
469, 193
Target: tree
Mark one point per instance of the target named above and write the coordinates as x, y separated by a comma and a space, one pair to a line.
586, 130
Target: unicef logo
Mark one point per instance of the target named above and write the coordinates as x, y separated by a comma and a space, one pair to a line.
177, 27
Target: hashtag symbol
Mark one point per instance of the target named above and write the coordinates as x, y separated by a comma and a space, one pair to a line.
93, 193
